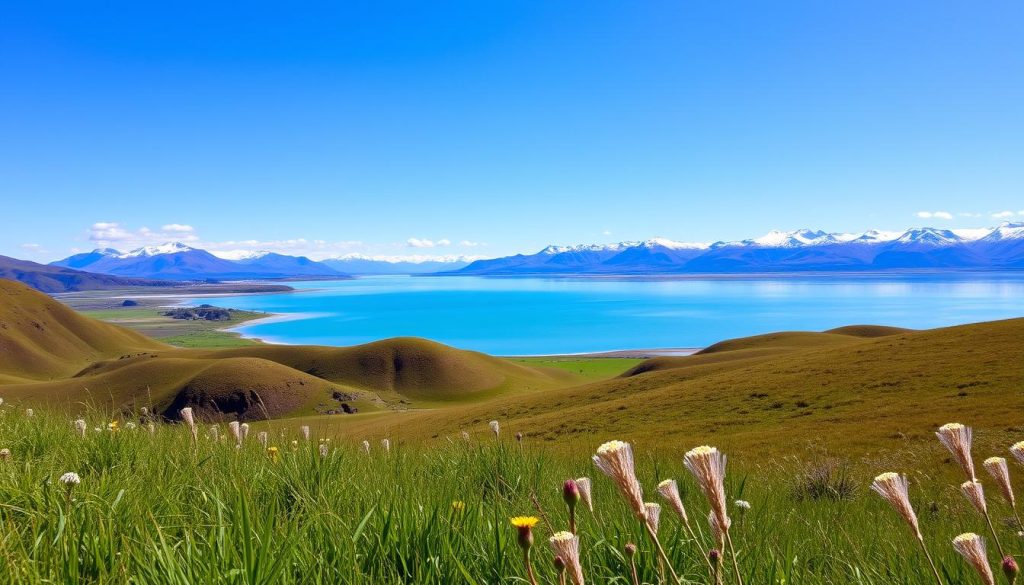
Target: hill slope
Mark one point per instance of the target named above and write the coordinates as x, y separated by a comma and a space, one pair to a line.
55, 279
861, 395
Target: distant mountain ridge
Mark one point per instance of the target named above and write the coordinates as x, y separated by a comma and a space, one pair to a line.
804, 250
57, 279
178, 261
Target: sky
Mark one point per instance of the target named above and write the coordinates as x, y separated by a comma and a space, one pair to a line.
487, 128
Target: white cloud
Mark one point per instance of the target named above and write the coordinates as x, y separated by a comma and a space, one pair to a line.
33, 248
1003, 215
178, 228
965, 214
606, 233
112, 233
934, 215
425, 243
470, 244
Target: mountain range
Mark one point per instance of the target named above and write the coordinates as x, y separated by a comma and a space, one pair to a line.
803, 250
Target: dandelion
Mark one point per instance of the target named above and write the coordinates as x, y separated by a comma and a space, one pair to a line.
571, 495
304, 429
236, 432
567, 546
1018, 451
273, 453
615, 459
893, 488
113, 426
458, 506
385, 445
81, 427
957, 438
366, 447
972, 548
583, 484
323, 450
524, 528
263, 438
495, 428
190, 420
707, 464
5, 454
975, 494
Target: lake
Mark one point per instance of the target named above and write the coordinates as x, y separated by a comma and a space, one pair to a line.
534, 316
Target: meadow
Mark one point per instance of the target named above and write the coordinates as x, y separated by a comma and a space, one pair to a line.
157, 506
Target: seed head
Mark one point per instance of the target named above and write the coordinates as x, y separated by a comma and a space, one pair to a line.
304, 429
70, 479
893, 488
957, 438
669, 490
263, 438
236, 431
583, 484
653, 515
1018, 451
5, 454
385, 445
366, 447
1000, 471
244, 427
495, 428
707, 464
567, 546
718, 530
323, 450
615, 459
972, 548
973, 491
81, 427
29, 412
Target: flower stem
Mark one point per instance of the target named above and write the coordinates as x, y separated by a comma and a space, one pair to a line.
529, 567
661, 551
735, 563
928, 556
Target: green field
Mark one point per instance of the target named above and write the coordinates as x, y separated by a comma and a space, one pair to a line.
588, 369
157, 509
179, 332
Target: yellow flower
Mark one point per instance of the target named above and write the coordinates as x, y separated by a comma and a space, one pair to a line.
524, 521
458, 505
113, 425
272, 452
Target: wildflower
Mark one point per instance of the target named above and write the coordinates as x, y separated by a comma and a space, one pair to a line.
583, 484
519, 437
244, 427
273, 453
631, 556
129, 425
29, 412
144, 412
213, 432
571, 495
1010, 569
1018, 451
385, 444
893, 488
465, 436
152, 428
615, 459
495, 428
707, 464
295, 445
567, 546
366, 447
669, 490
81, 427
263, 438
458, 506
323, 450
5, 454
304, 429
113, 426
70, 480
742, 504
957, 438
972, 548
653, 515
236, 432
524, 527
189, 418
997, 468
976, 495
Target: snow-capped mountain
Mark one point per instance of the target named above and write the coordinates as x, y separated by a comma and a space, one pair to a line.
177, 261
802, 250
373, 265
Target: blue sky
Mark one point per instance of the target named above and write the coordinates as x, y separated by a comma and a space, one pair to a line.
487, 128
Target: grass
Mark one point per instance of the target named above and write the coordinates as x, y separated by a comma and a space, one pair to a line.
155, 509
587, 369
151, 321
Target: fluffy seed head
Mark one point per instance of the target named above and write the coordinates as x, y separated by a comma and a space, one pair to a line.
385, 444
5, 454
1000, 471
972, 548
653, 515
323, 450
583, 484
263, 437
29, 412
495, 427
718, 530
669, 490
188, 416
304, 429
244, 427
893, 487
975, 494
615, 459
567, 546
144, 411
366, 447
81, 427
707, 464
236, 431
465, 436
957, 438
70, 479
1018, 451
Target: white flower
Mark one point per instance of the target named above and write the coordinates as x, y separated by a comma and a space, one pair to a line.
742, 504
130, 426
70, 479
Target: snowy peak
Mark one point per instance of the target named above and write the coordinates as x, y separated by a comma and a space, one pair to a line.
1005, 231
147, 251
929, 236
238, 255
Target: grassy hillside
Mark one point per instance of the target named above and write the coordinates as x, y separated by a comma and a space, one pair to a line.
54, 279
774, 394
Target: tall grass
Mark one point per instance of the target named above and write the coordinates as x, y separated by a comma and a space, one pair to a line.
158, 508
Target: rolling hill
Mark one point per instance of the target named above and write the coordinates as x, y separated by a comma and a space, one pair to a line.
56, 279
50, 354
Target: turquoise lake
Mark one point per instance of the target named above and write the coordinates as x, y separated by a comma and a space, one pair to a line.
534, 316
